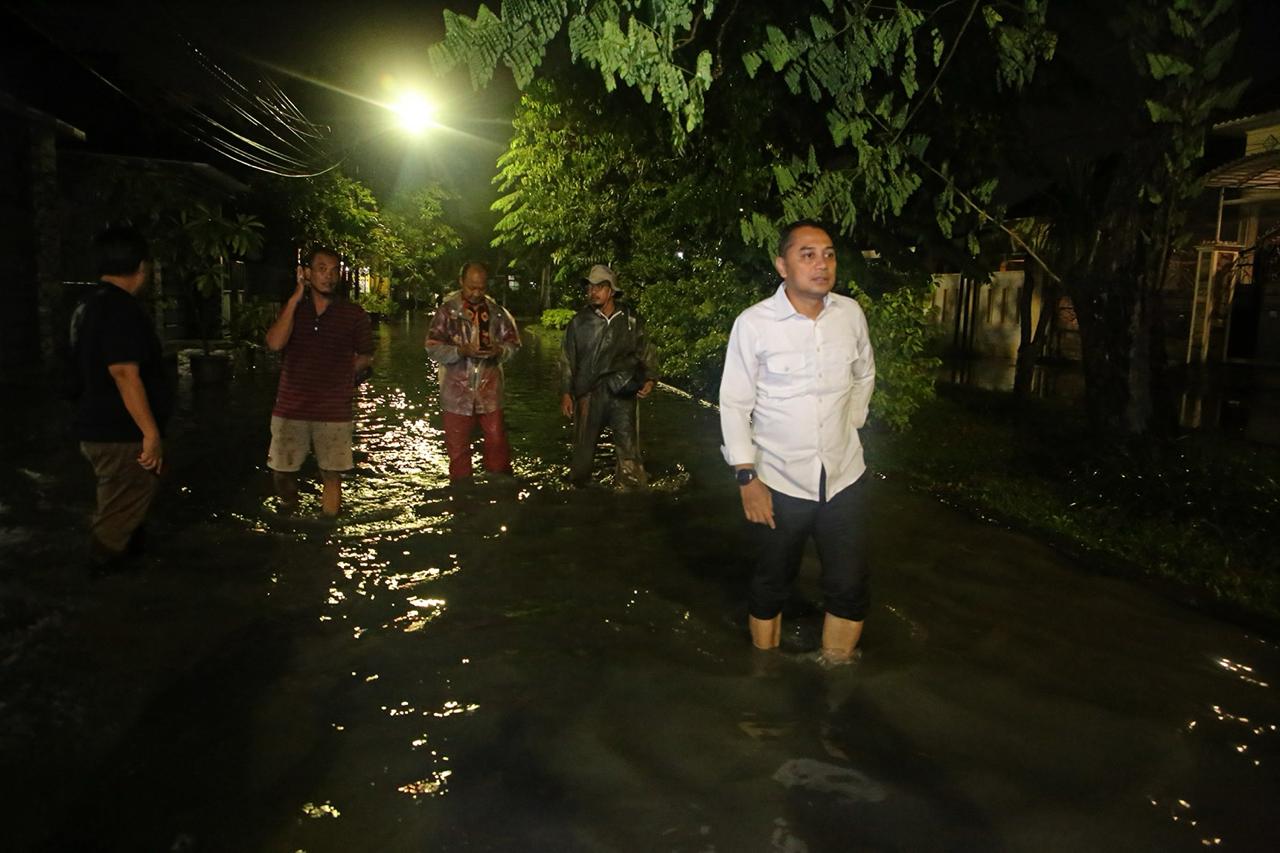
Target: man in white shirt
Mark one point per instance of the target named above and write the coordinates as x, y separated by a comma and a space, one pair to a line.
797, 379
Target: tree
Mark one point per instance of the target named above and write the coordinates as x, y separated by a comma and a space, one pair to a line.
869, 77
586, 183
867, 69
1112, 217
1180, 49
195, 227
417, 221
891, 86
334, 210
198, 245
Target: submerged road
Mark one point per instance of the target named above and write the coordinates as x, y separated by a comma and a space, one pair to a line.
529, 667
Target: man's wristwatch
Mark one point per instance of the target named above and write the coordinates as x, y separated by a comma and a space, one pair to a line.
745, 475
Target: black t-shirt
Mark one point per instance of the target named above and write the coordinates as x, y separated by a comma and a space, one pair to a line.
108, 328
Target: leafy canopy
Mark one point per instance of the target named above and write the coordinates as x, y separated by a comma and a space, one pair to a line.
867, 69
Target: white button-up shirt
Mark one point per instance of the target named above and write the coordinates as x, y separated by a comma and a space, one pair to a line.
794, 393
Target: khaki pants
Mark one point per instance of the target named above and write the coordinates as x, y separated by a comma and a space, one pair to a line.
125, 492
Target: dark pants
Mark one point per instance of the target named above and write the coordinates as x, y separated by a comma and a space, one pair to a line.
457, 441
593, 413
125, 492
838, 527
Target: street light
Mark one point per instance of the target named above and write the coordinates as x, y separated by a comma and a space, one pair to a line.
415, 112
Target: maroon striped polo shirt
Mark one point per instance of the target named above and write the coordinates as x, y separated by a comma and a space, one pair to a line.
317, 378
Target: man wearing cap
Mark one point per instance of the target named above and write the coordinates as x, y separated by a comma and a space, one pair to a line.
797, 380
606, 364
470, 337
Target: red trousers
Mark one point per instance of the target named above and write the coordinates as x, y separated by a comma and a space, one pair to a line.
457, 440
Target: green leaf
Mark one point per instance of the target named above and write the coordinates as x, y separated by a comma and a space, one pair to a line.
703, 72
1217, 56
783, 177
776, 48
1215, 12
1160, 113
1180, 26
1163, 65
822, 29
751, 61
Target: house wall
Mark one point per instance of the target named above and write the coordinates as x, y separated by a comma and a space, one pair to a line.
996, 318
1262, 139
24, 151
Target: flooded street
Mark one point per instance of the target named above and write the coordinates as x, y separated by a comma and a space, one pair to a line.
524, 666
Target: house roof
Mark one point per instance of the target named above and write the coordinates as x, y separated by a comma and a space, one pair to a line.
204, 171
1244, 124
10, 104
1260, 171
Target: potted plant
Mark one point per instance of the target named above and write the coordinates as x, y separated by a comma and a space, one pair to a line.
212, 241
249, 324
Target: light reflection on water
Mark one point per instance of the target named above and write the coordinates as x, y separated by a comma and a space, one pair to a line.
1242, 671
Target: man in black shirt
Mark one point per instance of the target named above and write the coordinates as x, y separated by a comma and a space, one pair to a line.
123, 395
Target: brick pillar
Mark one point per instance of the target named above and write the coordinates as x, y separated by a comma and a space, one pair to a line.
52, 310
19, 334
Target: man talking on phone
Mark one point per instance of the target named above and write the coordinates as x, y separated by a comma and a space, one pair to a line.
470, 337
328, 348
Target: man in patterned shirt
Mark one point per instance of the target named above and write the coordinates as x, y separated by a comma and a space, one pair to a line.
470, 337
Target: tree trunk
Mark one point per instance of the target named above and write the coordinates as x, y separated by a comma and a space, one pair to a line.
1032, 339
1104, 312
1137, 411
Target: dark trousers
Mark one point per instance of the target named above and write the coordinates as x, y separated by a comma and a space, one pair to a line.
838, 527
457, 441
125, 493
593, 413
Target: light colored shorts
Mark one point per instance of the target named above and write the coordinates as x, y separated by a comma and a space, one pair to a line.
291, 441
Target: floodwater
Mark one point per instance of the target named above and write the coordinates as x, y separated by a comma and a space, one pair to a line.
523, 666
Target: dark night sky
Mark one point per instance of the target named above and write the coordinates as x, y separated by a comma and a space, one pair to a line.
367, 50
364, 48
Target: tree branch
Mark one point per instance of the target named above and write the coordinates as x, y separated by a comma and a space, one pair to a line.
982, 212
720, 38
933, 84
693, 32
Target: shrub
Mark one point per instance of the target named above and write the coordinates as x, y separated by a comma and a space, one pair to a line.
556, 318
377, 303
899, 325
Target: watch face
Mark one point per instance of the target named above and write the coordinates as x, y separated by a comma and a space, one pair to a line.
746, 475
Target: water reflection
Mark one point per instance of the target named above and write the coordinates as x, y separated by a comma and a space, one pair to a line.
1238, 398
